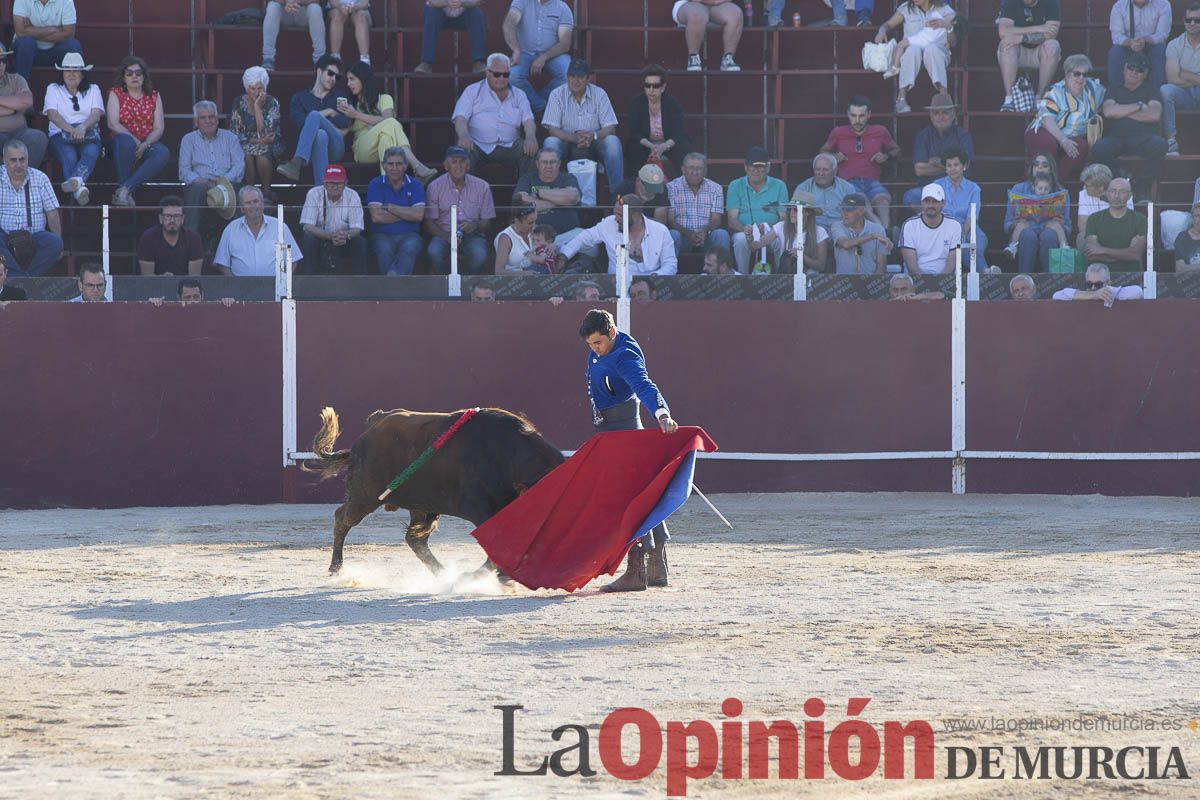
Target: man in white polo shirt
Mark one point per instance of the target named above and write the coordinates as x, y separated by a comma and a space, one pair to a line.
928, 240
247, 244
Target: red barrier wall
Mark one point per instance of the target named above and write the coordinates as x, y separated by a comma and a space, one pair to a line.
128, 404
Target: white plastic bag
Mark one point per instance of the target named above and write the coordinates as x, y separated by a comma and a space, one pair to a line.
584, 171
878, 57
1171, 224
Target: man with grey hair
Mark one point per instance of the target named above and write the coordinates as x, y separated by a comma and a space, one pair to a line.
829, 190
1096, 287
901, 287
1022, 287
396, 203
293, 14
697, 214
490, 118
1116, 236
206, 155
15, 100
247, 245
37, 253
539, 34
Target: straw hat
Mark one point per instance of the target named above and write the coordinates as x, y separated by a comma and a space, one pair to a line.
222, 198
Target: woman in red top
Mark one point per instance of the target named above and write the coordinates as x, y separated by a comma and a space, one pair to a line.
135, 118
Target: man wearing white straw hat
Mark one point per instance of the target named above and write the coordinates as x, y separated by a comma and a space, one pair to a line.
44, 32
208, 155
15, 100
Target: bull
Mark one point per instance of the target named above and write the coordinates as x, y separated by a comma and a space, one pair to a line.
483, 467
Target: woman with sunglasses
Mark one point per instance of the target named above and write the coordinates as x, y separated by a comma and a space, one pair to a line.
135, 119
1037, 239
1060, 125
655, 127
374, 128
74, 108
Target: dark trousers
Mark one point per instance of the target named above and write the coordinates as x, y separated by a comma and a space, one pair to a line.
1151, 147
322, 257
513, 154
471, 21
627, 417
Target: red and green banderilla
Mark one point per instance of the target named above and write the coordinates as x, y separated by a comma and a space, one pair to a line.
428, 452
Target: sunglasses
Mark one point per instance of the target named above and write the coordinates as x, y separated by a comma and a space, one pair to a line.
75, 102
333, 73
1132, 68
495, 74
1078, 74
1094, 285
858, 145
99, 285
653, 85
1191, 20
133, 73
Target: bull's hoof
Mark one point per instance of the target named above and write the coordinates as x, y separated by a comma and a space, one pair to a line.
335, 568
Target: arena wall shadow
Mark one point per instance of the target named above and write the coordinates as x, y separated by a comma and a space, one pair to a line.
129, 404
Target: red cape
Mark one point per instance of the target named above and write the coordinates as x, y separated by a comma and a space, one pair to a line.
578, 522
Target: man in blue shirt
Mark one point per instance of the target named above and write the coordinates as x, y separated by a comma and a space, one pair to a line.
617, 381
943, 133
396, 203
322, 127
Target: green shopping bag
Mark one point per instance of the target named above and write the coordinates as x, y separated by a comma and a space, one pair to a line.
1066, 259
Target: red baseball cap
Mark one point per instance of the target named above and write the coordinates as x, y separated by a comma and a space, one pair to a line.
335, 172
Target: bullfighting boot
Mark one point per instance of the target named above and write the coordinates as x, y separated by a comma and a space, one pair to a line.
634, 579
656, 565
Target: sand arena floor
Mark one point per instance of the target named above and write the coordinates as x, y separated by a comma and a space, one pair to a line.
152, 652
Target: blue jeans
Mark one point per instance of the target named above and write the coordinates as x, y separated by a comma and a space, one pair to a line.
1033, 248
1173, 97
77, 159
28, 54
47, 248
472, 255
715, 238
396, 253
1118, 55
470, 20
870, 187
320, 142
607, 150
862, 9
556, 68
152, 163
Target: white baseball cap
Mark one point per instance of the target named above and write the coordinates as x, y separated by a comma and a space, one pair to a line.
933, 191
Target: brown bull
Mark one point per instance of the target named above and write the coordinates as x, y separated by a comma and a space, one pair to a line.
490, 460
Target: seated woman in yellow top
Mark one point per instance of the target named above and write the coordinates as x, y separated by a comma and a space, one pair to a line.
374, 127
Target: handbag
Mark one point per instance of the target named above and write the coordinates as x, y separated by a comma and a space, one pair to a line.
878, 57
1095, 128
584, 171
1066, 259
1024, 99
20, 242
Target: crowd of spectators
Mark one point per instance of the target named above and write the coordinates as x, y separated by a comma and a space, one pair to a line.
535, 108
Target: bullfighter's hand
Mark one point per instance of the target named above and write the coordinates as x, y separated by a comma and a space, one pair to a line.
667, 424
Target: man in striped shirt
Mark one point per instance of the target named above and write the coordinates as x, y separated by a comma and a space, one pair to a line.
697, 214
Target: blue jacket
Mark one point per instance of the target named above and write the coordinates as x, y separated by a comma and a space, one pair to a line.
619, 376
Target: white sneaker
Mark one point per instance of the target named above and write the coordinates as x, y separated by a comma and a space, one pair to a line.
694, 64
891, 72
728, 64
82, 195
71, 185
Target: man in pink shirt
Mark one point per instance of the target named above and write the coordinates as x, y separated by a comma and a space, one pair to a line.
861, 150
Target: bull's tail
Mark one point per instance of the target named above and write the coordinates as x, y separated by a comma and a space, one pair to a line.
333, 462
